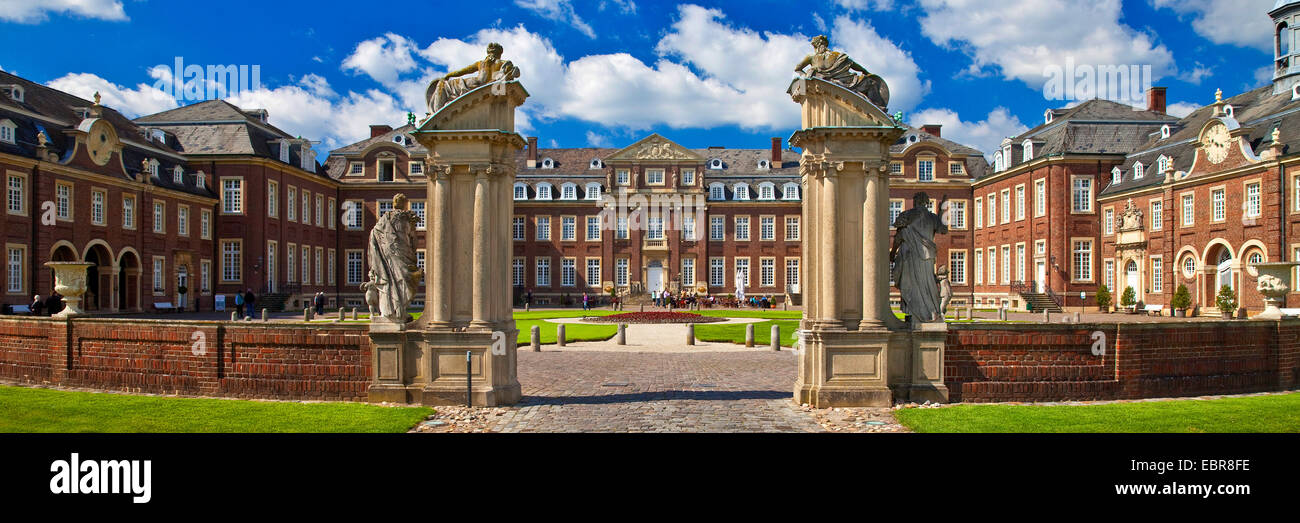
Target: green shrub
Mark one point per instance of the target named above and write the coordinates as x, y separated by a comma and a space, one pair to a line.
1129, 298
1226, 300
1103, 297
1182, 299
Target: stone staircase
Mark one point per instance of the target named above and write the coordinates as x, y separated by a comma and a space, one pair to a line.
1040, 302
273, 302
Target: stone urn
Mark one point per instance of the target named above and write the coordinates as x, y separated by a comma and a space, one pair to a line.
70, 282
1272, 285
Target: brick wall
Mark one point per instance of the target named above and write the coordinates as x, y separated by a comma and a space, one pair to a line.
275, 361
1055, 362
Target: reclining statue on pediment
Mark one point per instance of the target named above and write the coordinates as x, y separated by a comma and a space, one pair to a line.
837, 67
454, 84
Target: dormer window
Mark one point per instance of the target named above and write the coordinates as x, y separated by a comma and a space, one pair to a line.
284, 151
1028, 147
1283, 40
715, 164
764, 165
912, 139
1137, 171
790, 191
740, 192
548, 163
1115, 175
401, 140
595, 164
1227, 111
1006, 156
200, 180
593, 191
521, 191
158, 135
766, 191
178, 175
356, 168
1048, 116
8, 131
16, 92
1165, 131
1162, 163
568, 191
543, 191
82, 112
717, 191
308, 158
153, 168
997, 162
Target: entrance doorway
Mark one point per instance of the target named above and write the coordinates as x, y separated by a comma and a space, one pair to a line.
1040, 273
1132, 279
182, 282
1224, 271
654, 276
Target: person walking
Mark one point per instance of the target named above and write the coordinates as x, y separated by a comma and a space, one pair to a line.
37, 305
319, 302
239, 304
586, 302
249, 300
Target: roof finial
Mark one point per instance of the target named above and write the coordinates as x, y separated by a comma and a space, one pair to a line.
97, 98
1277, 134
1218, 95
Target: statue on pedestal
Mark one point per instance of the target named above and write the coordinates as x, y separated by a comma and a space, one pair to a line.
913, 254
837, 67
394, 273
456, 83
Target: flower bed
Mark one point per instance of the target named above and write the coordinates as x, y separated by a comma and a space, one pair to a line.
654, 317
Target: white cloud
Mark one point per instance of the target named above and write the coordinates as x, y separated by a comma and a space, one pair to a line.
985, 135
1263, 75
1242, 23
1196, 74
595, 139
559, 11
312, 110
1021, 38
36, 11
866, 5
818, 22
627, 7
1180, 109
384, 58
882, 57
133, 102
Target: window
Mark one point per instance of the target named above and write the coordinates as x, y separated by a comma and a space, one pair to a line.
1138, 171
352, 213
284, 151
979, 213
1006, 264
543, 266
1020, 202
593, 191
790, 191
1189, 210
318, 255
688, 177
355, 169
63, 201
718, 192
1006, 205
272, 198
517, 272
956, 169
1157, 274
766, 228
382, 207
993, 210
232, 195
742, 228
767, 272
517, 228
205, 276
717, 272
742, 271
993, 266
792, 228
1108, 222
688, 227
766, 191
593, 272
957, 214
1218, 205
306, 207
654, 176
620, 272
1040, 197
329, 213
957, 267
622, 177
895, 167
543, 191
1020, 262
205, 224
1162, 163
231, 258
1157, 215
521, 191
1252, 200
979, 267
1082, 194
17, 194
925, 170
332, 256
159, 276
354, 267
159, 217
568, 228
1083, 260
688, 272
417, 207
416, 169
717, 228
1115, 175
17, 257
740, 192
97, 207
1109, 274
1027, 151
568, 191
792, 273
998, 165
128, 212
291, 261
306, 264
7, 133
655, 228
620, 230
1040, 247
290, 204
183, 220
320, 210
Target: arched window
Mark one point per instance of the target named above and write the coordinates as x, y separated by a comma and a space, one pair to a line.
1225, 269
1283, 40
1138, 171
740, 192
1115, 175
568, 191
717, 191
543, 191
593, 191
521, 191
790, 191
1165, 131
715, 163
997, 162
766, 191
548, 163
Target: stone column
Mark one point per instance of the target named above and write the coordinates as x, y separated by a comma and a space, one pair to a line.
437, 289
482, 265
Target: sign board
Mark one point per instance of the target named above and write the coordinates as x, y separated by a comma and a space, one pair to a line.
220, 302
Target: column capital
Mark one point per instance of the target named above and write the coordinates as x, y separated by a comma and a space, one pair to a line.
439, 170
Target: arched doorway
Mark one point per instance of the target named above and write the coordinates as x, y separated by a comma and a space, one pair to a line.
98, 287
1218, 272
128, 281
182, 282
654, 275
1132, 278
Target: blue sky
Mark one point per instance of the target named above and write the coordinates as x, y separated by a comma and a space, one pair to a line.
606, 72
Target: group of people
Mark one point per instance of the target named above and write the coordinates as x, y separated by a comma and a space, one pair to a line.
244, 302
50, 305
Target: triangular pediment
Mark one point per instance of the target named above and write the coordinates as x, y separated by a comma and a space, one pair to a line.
655, 148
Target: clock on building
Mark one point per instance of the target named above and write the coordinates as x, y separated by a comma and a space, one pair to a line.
1215, 142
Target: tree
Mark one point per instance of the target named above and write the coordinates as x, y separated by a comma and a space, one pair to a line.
1103, 297
1129, 298
1182, 299
1226, 300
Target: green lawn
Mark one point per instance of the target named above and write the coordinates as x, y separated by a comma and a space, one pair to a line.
572, 331
43, 410
735, 332
750, 313
1278, 413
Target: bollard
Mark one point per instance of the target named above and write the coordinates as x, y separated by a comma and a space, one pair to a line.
559, 334
776, 338
749, 335
535, 334
528, 306
642, 307
1047, 316
342, 315
622, 334
1078, 317
266, 316
234, 316
354, 314
690, 334
970, 313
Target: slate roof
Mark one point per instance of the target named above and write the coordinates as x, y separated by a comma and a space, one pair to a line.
976, 164
65, 108
217, 127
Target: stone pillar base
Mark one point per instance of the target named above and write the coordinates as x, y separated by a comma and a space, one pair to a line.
872, 368
428, 367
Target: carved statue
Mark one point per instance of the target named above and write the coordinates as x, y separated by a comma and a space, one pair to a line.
1131, 220
913, 254
945, 288
371, 290
837, 67
456, 83
1271, 286
393, 268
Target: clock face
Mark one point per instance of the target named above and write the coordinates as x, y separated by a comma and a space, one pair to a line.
100, 143
1216, 142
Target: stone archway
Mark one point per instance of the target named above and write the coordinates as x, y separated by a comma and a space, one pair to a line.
128, 280
100, 279
1220, 268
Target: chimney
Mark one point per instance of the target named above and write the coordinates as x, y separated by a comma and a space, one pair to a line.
776, 153
380, 130
532, 152
1156, 99
932, 129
